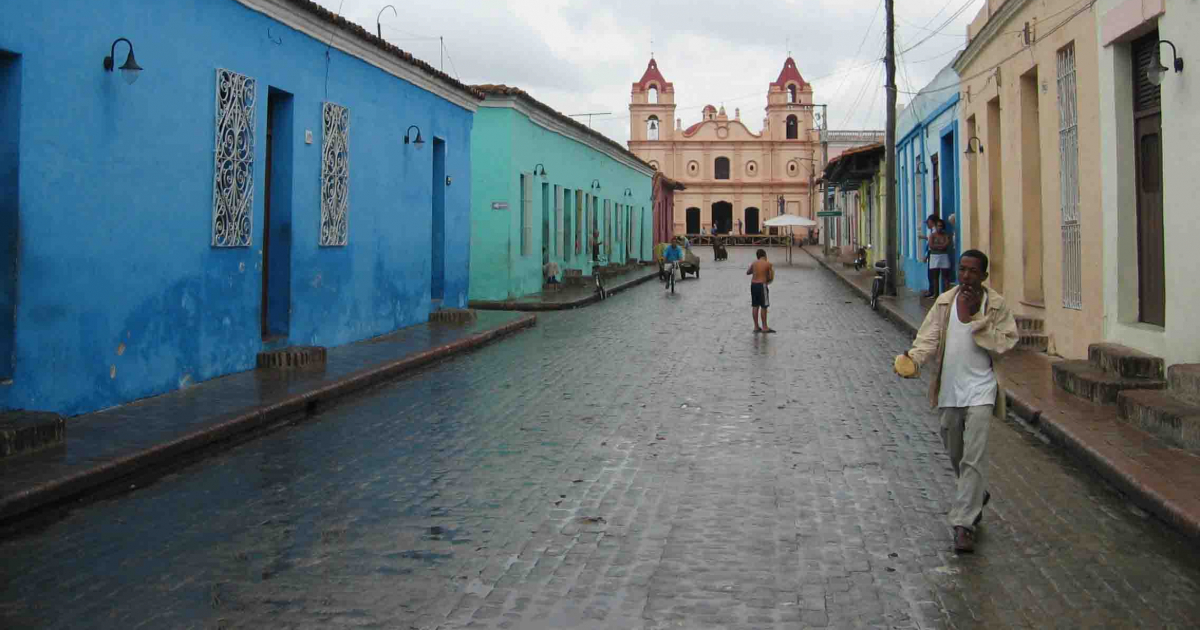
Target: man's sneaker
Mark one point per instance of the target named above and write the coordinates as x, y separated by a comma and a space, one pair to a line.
979, 517
964, 540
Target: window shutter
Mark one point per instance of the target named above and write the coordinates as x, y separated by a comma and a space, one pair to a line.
1146, 95
526, 214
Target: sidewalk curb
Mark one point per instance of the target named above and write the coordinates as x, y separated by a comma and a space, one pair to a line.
513, 305
886, 311
1123, 480
69, 486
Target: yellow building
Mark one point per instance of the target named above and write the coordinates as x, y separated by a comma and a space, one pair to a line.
735, 178
1031, 177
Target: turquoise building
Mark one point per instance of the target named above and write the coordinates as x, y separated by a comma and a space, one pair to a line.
541, 185
927, 174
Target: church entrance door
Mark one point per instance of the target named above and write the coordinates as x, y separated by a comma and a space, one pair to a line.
722, 217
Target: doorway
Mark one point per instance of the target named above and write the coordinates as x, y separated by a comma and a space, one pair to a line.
693, 221
1147, 129
722, 216
437, 280
995, 159
277, 218
752, 221
1031, 185
10, 155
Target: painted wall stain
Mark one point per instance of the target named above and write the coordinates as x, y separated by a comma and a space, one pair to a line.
120, 349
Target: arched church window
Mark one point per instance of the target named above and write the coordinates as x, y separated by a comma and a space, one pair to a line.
793, 127
652, 128
721, 168
652, 96
791, 93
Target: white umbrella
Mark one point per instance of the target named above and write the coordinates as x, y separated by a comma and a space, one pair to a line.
789, 221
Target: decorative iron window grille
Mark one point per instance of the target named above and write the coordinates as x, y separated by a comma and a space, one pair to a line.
233, 160
335, 176
1068, 168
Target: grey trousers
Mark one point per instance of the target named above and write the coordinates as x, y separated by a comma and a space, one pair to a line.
964, 433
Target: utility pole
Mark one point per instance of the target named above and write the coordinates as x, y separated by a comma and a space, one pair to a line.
889, 168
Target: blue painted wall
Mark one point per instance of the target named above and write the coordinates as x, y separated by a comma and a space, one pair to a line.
927, 127
506, 146
120, 294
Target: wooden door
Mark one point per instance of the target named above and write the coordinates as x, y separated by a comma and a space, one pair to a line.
1147, 126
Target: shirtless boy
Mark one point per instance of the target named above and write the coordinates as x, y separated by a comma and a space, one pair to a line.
761, 274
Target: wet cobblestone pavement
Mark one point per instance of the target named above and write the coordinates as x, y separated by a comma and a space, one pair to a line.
646, 462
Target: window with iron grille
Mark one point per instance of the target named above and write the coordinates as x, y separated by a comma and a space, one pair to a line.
1068, 169
233, 174
335, 176
559, 220
526, 214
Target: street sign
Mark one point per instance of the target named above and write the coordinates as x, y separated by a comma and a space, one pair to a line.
829, 214
499, 205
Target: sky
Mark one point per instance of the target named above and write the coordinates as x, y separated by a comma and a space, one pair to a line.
581, 56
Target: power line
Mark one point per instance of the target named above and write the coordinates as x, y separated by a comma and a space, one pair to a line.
1020, 50
866, 34
944, 24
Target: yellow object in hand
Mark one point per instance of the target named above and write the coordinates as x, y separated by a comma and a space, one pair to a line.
905, 366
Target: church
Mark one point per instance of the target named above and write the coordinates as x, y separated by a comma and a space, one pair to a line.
735, 179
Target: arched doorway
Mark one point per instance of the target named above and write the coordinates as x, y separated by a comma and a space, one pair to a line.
722, 217
752, 221
693, 220
793, 128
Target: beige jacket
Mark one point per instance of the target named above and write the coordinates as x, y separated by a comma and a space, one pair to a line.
994, 329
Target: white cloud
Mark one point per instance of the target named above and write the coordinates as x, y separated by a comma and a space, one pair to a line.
582, 55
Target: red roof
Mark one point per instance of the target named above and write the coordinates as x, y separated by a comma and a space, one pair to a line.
652, 74
790, 73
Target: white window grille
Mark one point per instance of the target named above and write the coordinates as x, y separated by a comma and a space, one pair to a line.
559, 218
335, 176
608, 231
1068, 168
233, 160
526, 214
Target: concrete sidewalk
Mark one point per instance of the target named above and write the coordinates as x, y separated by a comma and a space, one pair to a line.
1160, 479
132, 439
569, 297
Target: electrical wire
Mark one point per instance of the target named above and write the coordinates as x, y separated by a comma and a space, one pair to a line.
991, 68
866, 34
943, 25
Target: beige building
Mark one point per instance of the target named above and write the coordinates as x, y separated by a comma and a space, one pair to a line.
732, 174
1031, 192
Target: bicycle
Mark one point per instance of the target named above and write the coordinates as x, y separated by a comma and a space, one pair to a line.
670, 269
879, 284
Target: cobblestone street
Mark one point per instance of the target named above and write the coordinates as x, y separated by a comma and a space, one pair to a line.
646, 462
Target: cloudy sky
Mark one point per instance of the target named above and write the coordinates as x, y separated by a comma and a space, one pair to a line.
581, 56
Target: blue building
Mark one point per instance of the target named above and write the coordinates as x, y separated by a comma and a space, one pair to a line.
927, 173
273, 176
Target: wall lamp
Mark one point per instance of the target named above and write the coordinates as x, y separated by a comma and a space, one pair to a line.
628, 192
535, 170
1155, 75
595, 184
130, 70
970, 148
418, 141
378, 28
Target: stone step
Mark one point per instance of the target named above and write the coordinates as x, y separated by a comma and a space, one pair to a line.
1033, 341
28, 431
1183, 379
1174, 420
1032, 325
1125, 362
1085, 380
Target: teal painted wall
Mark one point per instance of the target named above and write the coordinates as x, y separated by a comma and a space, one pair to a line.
506, 145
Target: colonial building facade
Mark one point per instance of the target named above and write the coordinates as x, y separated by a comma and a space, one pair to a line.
735, 178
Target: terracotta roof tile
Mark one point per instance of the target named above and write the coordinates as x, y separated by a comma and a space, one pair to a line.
342, 23
499, 89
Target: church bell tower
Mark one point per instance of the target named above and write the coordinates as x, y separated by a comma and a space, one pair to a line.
652, 107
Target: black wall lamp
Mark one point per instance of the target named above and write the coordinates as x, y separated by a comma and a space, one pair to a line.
447, 180
628, 192
595, 184
970, 150
1155, 75
535, 170
378, 28
131, 69
418, 141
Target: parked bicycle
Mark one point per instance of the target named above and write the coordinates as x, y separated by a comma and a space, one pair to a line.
880, 283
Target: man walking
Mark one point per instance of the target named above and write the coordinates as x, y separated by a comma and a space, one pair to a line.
761, 274
965, 331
